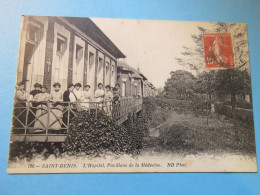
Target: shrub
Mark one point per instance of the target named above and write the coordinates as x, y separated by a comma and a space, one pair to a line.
91, 135
244, 105
241, 114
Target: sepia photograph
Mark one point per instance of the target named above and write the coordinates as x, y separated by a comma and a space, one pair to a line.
126, 95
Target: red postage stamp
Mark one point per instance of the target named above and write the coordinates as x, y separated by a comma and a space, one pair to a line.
218, 50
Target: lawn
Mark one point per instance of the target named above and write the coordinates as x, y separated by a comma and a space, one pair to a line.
184, 132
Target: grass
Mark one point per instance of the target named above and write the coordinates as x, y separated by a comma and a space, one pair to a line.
184, 132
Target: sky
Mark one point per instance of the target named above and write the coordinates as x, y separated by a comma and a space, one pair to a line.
151, 45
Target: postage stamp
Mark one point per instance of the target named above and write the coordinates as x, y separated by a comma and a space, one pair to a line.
218, 50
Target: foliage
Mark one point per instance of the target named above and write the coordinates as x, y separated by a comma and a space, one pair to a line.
149, 107
194, 56
222, 81
233, 81
206, 82
154, 109
229, 81
183, 132
192, 136
240, 114
93, 136
30, 150
181, 82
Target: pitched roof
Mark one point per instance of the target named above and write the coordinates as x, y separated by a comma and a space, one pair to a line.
142, 75
87, 26
126, 67
136, 76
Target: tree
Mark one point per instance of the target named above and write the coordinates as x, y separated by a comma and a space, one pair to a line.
194, 56
181, 82
234, 82
232, 79
228, 80
206, 82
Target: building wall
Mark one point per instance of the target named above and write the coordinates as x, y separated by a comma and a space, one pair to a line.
133, 86
31, 57
48, 55
136, 87
124, 78
56, 58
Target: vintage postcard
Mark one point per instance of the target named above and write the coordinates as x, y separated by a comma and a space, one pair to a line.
121, 95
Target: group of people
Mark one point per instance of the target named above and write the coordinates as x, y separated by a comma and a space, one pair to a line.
38, 99
74, 94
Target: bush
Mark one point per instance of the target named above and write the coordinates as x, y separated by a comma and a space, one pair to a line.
241, 114
179, 138
244, 105
174, 103
154, 115
245, 115
91, 135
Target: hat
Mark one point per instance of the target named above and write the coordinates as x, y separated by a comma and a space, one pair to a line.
37, 85
115, 89
77, 85
57, 84
21, 83
70, 85
44, 86
108, 86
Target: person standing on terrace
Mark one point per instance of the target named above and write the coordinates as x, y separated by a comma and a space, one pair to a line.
20, 95
56, 110
87, 96
19, 105
108, 99
42, 115
78, 94
68, 95
99, 95
117, 86
37, 90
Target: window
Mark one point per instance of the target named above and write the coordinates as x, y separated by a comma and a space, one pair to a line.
100, 64
123, 89
135, 89
91, 59
33, 33
112, 70
107, 67
79, 52
61, 44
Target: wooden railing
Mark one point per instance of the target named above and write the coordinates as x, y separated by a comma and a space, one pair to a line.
49, 121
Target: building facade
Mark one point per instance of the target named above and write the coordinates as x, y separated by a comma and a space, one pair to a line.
65, 50
132, 82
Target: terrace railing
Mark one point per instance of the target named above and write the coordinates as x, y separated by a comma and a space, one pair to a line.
49, 121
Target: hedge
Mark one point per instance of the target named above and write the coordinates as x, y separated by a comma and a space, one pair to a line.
245, 115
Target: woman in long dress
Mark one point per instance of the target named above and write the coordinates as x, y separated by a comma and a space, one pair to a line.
42, 116
86, 97
108, 101
19, 107
55, 120
78, 94
116, 103
99, 95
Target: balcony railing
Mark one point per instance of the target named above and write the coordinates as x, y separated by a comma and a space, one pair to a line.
49, 121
